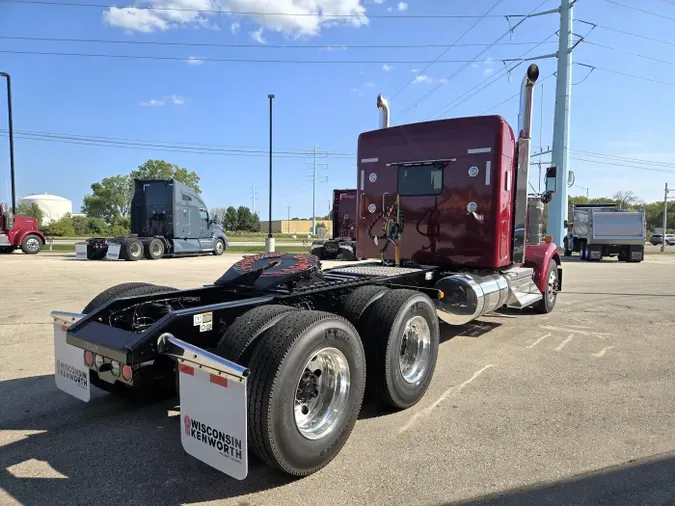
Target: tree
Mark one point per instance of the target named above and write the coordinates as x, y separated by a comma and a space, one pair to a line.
159, 169
62, 227
255, 223
231, 219
32, 211
245, 220
626, 199
110, 199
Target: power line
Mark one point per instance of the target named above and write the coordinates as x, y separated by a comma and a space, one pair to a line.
450, 77
230, 60
623, 165
640, 10
254, 46
629, 52
446, 109
624, 32
623, 158
515, 95
440, 55
129, 144
252, 13
624, 74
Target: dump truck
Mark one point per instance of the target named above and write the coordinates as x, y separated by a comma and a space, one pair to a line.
168, 219
19, 232
604, 230
275, 356
343, 242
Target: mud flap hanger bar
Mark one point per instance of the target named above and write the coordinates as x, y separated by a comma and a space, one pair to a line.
181, 351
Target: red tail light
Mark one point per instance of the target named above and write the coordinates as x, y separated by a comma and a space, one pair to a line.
88, 358
126, 372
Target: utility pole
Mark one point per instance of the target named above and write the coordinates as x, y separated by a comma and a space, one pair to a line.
269, 242
665, 216
10, 125
557, 214
254, 197
314, 194
288, 222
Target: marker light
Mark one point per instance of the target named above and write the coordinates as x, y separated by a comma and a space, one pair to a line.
88, 358
98, 360
115, 368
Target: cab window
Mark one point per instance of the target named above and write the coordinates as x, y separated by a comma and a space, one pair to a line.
420, 179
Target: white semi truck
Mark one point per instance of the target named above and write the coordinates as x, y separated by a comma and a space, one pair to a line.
604, 230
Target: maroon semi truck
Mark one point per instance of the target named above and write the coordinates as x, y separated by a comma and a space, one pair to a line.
19, 232
343, 242
276, 355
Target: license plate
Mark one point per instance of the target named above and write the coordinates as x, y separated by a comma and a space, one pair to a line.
213, 426
71, 374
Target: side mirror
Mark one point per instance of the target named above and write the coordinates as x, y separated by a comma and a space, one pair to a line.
547, 197
551, 173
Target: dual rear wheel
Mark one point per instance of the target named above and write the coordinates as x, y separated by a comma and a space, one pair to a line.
310, 370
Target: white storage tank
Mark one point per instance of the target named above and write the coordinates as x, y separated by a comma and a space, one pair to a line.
53, 206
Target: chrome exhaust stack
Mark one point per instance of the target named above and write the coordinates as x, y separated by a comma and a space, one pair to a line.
383, 106
523, 166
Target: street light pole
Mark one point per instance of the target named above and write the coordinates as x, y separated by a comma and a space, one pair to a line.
269, 243
11, 137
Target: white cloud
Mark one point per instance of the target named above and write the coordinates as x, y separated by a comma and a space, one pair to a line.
175, 99
402, 6
488, 61
193, 60
153, 103
488, 71
369, 85
305, 17
474, 65
334, 48
386, 67
379, 2
444, 80
414, 70
257, 35
356, 91
422, 79
388, 9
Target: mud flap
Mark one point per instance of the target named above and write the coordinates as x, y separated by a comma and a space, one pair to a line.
70, 372
81, 250
114, 249
213, 407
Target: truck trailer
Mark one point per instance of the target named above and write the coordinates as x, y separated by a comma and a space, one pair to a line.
168, 219
604, 230
276, 354
19, 232
343, 242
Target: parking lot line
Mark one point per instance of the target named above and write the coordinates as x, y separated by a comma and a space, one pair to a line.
453, 389
538, 340
602, 352
564, 343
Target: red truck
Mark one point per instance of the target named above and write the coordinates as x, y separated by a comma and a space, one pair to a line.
276, 355
343, 242
19, 232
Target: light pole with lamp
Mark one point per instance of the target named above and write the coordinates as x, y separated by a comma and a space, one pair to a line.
269, 242
11, 137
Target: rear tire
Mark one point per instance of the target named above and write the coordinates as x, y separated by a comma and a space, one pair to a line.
237, 341
133, 249
356, 303
285, 390
401, 344
154, 249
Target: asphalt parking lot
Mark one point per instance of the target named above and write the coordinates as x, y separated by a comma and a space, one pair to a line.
574, 407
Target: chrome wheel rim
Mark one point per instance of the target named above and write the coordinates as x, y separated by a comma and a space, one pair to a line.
219, 246
552, 286
157, 248
32, 244
415, 349
322, 393
135, 249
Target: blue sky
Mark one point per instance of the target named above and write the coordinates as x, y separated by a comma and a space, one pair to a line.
224, 104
